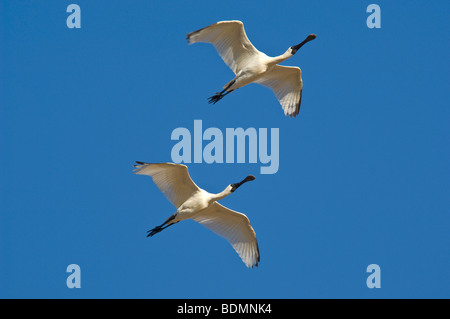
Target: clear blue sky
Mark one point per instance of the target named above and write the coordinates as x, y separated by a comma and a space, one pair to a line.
364, 173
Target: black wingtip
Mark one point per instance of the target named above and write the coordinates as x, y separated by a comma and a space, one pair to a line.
139, 164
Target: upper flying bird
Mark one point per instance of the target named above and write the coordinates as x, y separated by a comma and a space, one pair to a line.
250, 65
195, 203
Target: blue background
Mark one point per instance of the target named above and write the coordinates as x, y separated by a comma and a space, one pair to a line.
364, 169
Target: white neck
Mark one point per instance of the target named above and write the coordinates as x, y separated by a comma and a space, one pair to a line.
221, 195
278, 59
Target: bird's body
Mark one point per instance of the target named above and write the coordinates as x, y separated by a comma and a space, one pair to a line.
195, 203
252, 66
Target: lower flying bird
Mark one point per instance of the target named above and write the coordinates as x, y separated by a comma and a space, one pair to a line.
195, 203
252, 66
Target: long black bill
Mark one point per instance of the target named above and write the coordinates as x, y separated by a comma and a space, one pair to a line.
298, 46
247, 179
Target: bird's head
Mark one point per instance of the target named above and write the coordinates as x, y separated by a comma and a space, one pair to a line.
236, 185
295, 48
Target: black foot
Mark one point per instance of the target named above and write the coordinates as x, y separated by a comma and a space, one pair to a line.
154, 231
215, 98
157, 229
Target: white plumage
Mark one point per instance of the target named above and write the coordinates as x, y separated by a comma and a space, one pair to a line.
252, 66
195, 203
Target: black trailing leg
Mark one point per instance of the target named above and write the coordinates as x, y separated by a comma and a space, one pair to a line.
156, 230
218, 96
164, 225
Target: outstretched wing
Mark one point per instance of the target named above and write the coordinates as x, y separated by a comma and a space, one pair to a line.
286, 82
172, 179
234, 227
230, 41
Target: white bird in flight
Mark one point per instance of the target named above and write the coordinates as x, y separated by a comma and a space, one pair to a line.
195, 203
250, 65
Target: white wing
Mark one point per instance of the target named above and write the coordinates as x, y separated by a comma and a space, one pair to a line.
230, 41
172, 179
286, 82
234, 227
